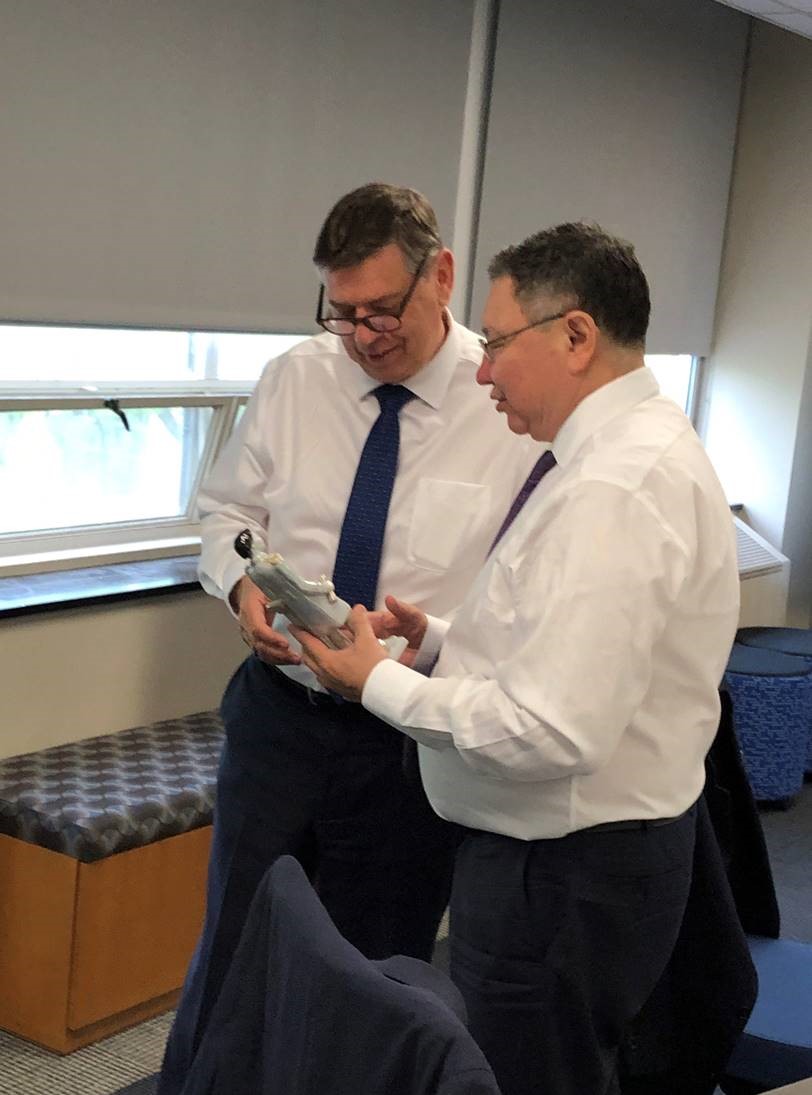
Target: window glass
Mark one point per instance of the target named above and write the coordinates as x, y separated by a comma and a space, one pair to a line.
242, 357
674, 373
69, 468
82, 355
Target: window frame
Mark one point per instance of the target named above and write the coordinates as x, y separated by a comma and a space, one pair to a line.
44, 550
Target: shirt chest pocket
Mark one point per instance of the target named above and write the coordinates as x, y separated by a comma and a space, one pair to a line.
450, 522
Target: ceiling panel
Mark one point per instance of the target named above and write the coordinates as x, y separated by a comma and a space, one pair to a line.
794, 15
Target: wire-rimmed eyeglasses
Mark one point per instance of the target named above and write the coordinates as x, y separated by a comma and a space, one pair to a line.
491, 347
380, 323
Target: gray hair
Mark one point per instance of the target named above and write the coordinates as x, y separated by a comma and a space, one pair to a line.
585, 267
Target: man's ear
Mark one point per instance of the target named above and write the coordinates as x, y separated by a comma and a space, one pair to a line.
582, 334
444, 275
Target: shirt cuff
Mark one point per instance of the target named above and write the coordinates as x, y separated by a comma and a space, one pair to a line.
231, 575
387, 689
430, 647
387, 693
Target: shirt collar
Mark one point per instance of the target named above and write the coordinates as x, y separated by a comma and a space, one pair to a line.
432, 381
600, 407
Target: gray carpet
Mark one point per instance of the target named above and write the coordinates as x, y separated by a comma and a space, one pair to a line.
789, 841
108, 1066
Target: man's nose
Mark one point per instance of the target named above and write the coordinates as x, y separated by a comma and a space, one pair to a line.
364, 336
483, 373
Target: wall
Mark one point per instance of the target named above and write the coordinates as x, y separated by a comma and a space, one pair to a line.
758, 412
798, 526
72, 674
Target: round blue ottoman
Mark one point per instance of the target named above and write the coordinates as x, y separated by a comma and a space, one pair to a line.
776, 1046
771, 694
789, 640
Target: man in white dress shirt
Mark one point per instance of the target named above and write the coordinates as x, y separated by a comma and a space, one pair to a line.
303, 772
575, 694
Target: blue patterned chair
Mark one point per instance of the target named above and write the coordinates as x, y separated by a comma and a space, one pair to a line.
772, 695
103, 854
788, 640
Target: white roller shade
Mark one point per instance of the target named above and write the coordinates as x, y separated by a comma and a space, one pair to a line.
169, 163
624, 112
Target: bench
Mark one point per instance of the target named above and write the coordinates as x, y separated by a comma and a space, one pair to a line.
103, 854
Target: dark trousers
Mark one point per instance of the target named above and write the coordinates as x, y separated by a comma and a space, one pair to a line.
323, 782
557, 944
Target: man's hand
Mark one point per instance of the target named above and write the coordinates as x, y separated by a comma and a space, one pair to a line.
344, 671
400, 618
269, 645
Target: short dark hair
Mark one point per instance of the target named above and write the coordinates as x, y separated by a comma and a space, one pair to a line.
369, 218
589, 269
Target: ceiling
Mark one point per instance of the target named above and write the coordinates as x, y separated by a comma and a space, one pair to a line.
795, 15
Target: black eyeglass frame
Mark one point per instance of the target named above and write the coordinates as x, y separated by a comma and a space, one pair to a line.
492, 346
370, 321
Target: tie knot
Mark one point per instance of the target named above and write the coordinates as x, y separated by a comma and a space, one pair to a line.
544, 463
392, 397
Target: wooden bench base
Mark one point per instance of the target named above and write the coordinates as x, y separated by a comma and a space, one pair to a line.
87, 949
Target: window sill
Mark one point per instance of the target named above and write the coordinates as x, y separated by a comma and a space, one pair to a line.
28, 594
96, 554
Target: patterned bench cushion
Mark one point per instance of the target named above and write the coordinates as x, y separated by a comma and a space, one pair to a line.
92, 798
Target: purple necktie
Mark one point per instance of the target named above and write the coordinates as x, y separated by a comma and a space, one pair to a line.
540, 469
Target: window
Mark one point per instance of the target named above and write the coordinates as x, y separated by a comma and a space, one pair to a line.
106, 434
676, 375
64, 468
84, 358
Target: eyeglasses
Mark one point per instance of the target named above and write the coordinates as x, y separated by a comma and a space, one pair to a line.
491, 347
382, 322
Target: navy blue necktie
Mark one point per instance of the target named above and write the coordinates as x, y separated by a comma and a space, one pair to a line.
358, 557
544, 463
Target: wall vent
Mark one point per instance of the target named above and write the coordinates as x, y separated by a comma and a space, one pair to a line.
764, 576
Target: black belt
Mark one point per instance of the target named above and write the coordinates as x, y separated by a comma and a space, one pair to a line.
632, 823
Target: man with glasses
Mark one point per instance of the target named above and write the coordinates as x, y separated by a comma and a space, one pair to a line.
575, 694
390, 383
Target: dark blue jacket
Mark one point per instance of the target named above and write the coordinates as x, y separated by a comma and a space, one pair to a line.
685, 1034
302, 1012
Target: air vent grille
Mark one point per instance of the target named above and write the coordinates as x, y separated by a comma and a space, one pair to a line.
755, 555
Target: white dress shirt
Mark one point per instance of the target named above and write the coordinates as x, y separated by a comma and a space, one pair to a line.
287, 472
578, 681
